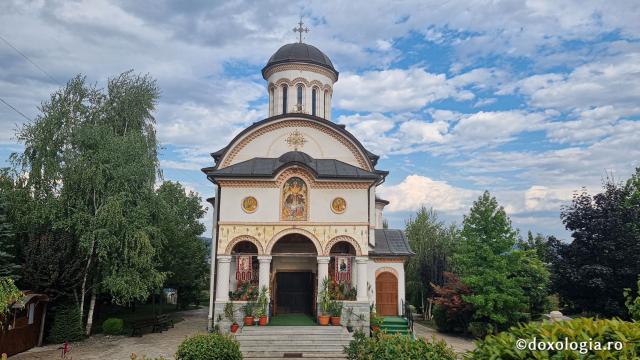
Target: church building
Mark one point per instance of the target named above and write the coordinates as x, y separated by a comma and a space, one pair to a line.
296, 203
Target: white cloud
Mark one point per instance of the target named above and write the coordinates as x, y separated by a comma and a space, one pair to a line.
416, 190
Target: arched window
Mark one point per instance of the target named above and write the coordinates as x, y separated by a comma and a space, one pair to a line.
284, 99
299, 97
314, 101
272, 102
326, 104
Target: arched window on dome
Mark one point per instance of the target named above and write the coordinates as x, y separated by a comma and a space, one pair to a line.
314, 100
299, 93
272, 102
326, 104
284, 98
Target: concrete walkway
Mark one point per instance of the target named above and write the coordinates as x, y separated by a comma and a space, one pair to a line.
458, 343
102, 347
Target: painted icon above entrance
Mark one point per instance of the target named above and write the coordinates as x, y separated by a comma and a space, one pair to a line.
294, 200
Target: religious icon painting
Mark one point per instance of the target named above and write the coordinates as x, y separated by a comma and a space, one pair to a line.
294, 200
343, 268
339, 205
243, 268
249, 204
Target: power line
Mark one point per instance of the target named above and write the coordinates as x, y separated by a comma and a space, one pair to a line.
14, 109
29, 60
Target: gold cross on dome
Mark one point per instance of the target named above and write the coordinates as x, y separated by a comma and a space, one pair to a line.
300, 29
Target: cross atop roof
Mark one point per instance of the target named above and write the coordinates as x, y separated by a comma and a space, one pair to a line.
300, 29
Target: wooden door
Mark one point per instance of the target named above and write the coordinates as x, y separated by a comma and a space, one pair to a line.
386, 294
294, 292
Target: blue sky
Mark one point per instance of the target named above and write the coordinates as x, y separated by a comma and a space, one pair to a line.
529, 100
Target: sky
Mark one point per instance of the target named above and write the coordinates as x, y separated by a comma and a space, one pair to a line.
531, 100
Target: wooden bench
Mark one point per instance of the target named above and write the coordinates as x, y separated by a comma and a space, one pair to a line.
139, 325
163, 322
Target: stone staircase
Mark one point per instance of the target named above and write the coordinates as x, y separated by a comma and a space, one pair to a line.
277, 342
395, 325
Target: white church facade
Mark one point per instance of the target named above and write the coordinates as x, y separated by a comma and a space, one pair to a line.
296, 203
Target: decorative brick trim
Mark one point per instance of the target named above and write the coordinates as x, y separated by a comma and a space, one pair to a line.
387, 270
344, 238
285, 232
388, 260
241, 238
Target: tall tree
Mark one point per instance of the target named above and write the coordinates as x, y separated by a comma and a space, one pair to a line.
183, 255
9, 265
603, 259
487, 261
94, 153
432, 243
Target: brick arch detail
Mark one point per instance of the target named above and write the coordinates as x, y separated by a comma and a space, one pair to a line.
242, 238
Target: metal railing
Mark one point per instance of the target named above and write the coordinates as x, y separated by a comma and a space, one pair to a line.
407, 314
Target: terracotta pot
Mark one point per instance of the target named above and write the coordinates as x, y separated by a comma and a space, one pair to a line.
324, 319
263, 320
335, 320
248, 320
234, 327
375, 328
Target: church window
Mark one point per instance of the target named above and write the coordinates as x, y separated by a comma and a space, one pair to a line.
284, 99
299, 97
314, 101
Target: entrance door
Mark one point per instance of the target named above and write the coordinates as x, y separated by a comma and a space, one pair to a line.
386, 294
294, 292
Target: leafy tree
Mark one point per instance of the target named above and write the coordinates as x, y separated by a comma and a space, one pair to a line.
183, 254
9, 293
91, 160
633, 304
452, 313
488, 262
9, 266
432, 242
603, 259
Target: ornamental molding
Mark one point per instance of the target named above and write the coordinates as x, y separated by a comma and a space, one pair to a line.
362, 162
314, 184
388, 260
387, 269
241, 238
300, 67
300, 80
343, 238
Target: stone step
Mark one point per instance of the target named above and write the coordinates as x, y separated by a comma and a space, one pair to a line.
298, 349
265, 355
265, 337
285, 342
293, 332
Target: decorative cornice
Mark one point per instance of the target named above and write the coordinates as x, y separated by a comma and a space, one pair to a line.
301, 67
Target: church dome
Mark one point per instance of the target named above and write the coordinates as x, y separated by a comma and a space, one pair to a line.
300, 53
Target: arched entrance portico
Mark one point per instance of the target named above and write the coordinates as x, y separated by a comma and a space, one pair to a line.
294, 275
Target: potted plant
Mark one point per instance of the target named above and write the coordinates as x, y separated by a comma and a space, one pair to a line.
231, 316
375, 321
325, 303
263, 303
336, 312
349, 314
249, 309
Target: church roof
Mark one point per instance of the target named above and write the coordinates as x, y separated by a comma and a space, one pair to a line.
373, 158
300, 53
391, 242
269, 167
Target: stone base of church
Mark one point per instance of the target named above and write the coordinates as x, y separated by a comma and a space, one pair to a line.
222, 322
355, 314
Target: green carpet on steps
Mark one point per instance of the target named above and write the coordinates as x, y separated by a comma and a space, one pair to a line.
292, 320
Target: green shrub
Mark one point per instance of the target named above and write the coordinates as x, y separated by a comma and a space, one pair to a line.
480, 329
458, 322
584, 331
112, 326
67, 325
396, 347
212, 346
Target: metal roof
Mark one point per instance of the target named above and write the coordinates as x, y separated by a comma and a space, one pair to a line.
391, 242
300, 53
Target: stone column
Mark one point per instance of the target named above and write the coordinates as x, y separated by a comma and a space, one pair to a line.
362, 278
224, 267
323, 270
264, 271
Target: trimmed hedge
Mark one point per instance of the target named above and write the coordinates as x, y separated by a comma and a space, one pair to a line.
212, 346
67, 325
112, 326
396, 347
586, 332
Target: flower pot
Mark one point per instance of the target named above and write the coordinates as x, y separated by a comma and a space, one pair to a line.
335, 320
375, 328
349, 328
324, 319
248, 320
263, 320
234, 327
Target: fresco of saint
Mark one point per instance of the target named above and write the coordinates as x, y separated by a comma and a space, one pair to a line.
294, 200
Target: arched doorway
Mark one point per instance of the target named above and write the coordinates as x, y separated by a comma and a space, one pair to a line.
294, 275
341, 270
244, 265
386, 294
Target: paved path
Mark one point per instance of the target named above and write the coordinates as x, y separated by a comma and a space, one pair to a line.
102, 347
458, 343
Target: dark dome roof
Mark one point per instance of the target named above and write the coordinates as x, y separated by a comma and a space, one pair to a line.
295, 156
300, 53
